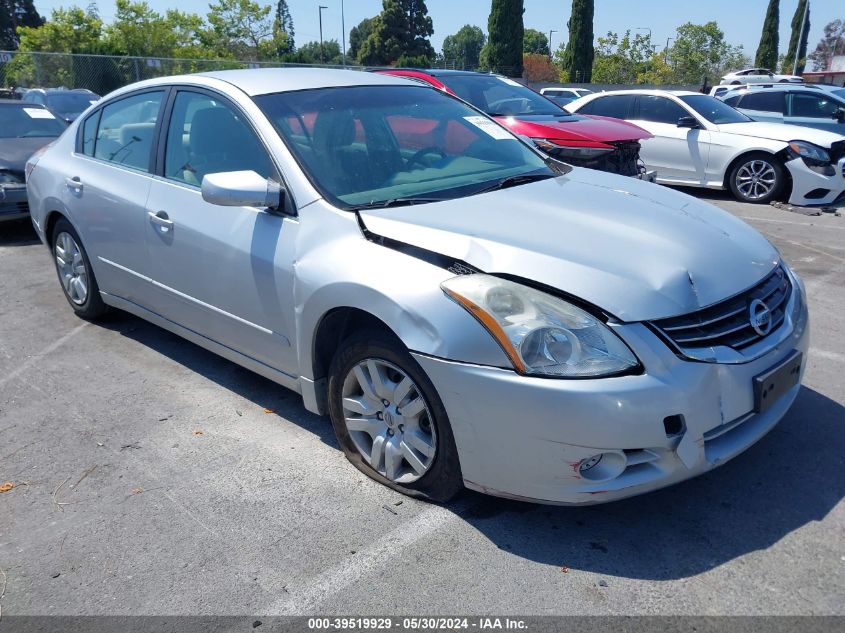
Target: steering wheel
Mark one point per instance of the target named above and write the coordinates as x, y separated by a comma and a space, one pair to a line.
416, 158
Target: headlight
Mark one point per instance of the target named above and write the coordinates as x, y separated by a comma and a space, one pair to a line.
808, 150
574, 153
9, 178
541, 334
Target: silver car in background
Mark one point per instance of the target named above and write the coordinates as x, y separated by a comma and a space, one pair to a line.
468, 311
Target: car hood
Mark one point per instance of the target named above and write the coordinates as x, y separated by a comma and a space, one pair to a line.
782, 132
14, 152
636, 250
576, 127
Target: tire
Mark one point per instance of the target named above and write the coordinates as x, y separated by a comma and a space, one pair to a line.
757, 178
381, 433
75, 273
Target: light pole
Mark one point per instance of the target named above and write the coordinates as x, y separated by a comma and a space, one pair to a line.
550, 43
320, 12
666, 50
343, 30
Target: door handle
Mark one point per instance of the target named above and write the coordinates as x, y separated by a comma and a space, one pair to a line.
161, 219
74, 183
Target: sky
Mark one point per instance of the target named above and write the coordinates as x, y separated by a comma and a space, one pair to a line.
741, 20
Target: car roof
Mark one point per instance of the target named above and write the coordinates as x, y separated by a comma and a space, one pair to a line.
645, 91
260, 81
19, 103
60, 90
741, 90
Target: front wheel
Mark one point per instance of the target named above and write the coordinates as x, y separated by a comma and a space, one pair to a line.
389, 420
757, 178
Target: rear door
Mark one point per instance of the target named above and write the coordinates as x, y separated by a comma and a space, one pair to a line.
223, 272
679, 154
106, 190
766, 105
812, 109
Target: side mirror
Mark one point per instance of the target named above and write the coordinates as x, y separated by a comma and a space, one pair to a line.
243, 189
839, 115
688, 121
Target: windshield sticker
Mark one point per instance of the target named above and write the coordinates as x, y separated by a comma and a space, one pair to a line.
489, 127
38, 113
510, 82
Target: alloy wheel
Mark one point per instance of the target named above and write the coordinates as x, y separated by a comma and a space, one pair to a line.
388, 420
756, 179
71, 266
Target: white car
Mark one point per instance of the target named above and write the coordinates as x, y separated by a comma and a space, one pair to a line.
758, 76
700, 141
565, 95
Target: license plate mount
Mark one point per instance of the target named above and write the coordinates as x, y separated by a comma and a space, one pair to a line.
772, 384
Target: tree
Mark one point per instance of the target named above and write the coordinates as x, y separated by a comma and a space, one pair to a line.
137, 30
798, 40
464, 47
767, 51
622, 61
72, 30
537, 67
283, 24
309, 53
535, 42
14, 14
401, 29
700, 51
358, 35
578, 59
503, 52
833, 43
241, 29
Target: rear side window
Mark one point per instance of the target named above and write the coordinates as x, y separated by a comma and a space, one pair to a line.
764, 101
125, 133
732, 101
616, 106
660, 110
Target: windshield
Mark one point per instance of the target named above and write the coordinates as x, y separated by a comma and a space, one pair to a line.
714, 110
499, 96
70, 101
27, 121
376, 145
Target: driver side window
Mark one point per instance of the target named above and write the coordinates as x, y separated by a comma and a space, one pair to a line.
207, 136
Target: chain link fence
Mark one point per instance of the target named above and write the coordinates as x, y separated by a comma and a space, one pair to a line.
104, 73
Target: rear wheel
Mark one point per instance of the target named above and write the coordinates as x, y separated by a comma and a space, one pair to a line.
389, 420
75, 273
757, 178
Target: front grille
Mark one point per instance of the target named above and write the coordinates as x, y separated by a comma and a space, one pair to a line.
623, 160
728, 322
10, 208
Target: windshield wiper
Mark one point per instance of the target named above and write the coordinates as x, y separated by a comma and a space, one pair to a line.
396, 202
513, 181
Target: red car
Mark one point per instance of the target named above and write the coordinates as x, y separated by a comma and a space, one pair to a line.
596, 142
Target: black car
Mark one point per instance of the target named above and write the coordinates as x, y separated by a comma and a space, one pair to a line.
24, 129
67, 104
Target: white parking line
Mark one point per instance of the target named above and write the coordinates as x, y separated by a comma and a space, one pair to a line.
821, 353
29, 362
308, 597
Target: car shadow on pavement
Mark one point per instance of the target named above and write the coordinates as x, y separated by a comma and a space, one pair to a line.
784, 482
264, 393
17, 233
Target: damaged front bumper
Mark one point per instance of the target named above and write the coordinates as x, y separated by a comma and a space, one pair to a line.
812, 187
599, 440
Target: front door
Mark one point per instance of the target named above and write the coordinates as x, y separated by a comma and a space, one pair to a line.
223, 272
679, 154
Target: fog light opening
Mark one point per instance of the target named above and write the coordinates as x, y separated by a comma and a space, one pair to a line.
673, 425
603, 466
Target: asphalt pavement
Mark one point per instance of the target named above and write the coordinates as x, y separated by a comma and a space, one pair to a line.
153, 477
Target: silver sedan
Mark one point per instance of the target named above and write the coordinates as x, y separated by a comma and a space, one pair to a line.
468, 311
